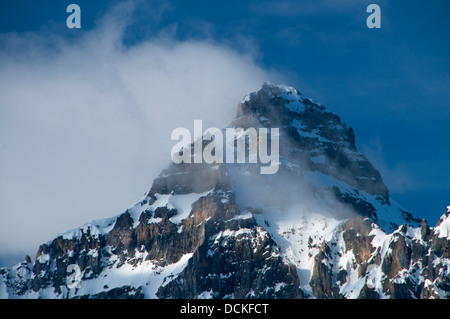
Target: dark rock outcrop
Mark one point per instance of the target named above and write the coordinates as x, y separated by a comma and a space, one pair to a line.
409, 263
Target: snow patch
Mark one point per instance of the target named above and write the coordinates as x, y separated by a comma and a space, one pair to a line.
182, 203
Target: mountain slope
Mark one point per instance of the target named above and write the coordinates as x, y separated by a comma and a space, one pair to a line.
323, 226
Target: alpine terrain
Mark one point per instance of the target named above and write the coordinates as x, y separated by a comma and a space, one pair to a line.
323, 226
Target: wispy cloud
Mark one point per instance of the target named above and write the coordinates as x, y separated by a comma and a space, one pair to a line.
85, 125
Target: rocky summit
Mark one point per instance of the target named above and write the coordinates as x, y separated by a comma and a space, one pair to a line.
323, 226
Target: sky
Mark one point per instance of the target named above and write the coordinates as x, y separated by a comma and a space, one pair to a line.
86, 114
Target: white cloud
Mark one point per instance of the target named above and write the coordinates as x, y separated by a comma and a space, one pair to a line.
85, 125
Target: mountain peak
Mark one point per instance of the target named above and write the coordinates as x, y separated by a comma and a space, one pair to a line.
275, 91
283, 106
317, 145
220, 231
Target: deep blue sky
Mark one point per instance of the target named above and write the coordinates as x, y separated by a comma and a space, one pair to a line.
392, 85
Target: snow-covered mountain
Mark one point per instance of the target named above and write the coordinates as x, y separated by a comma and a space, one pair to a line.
323, 226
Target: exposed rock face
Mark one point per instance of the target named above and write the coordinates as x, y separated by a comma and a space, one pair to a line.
324, 226
241, 261
405, 264
317, 142
310, 131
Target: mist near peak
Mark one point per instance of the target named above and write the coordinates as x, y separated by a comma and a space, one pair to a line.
286, 195
85, 125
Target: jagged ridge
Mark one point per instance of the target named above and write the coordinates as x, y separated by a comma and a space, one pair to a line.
222, 231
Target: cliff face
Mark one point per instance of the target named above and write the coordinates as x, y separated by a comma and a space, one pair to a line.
323, 226
179, 245
408, 263
311, 136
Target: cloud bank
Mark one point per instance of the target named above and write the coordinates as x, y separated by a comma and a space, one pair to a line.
85, 125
